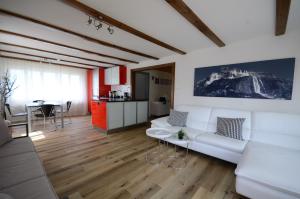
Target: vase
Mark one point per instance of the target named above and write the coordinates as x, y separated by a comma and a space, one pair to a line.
180, 137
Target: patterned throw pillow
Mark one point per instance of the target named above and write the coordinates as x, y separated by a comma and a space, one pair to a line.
230, 127
177, 118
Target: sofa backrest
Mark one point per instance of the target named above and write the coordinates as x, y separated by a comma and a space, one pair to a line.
230, 113
198, 116
280, 129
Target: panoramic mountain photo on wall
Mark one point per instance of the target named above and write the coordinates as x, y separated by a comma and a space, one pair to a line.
270, 79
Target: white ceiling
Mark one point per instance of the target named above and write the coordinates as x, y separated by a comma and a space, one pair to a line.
231, 20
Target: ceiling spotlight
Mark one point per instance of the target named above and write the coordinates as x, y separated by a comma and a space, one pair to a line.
97, 24
90, 21
110, 30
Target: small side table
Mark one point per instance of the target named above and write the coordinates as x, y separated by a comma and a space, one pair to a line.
176, 161
160, 134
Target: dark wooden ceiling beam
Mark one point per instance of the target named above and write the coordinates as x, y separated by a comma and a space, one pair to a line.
45, 62
91, 39
95, 13
56, 53
282, 15
189, 15
48, 58
26, 54
64, 45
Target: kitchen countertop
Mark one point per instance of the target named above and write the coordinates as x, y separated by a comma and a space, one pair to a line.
117, 100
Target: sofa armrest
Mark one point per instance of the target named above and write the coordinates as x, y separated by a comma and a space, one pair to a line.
21, 124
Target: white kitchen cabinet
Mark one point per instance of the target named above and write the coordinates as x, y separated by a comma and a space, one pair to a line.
142, 111
112, 76
107, 76
115, 116
96, 82
115, 76
130, 113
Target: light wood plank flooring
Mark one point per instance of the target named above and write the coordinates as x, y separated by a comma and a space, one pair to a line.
81, 163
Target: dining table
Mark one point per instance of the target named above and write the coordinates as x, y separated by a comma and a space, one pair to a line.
30, 107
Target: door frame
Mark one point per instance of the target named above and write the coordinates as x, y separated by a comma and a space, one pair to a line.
172, 65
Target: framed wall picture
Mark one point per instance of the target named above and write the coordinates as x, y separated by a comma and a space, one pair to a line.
270, 79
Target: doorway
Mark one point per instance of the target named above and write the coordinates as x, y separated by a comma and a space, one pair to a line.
156, 84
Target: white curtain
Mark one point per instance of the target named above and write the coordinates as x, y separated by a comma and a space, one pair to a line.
49, 82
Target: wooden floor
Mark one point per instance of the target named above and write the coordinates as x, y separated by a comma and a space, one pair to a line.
81, 162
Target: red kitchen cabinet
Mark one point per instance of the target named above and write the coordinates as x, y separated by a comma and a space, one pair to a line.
99, 114
103, 89
123, 75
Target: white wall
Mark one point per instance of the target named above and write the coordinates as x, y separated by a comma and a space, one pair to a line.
262, 48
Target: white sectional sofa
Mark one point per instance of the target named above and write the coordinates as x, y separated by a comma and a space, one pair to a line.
268, 159
200, 127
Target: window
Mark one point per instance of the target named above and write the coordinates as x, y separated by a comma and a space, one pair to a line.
49, 82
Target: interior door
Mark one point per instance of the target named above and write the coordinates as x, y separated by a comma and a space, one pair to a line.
141, 86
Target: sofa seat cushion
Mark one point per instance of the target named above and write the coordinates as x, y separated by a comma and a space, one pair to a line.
222, 141
19, 168
272, 166
5, 196
192, 133
38, 188
17, 146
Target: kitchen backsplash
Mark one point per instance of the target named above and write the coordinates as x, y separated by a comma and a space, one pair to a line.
121, 88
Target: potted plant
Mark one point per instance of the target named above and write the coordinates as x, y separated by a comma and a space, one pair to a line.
180, 134
7, 86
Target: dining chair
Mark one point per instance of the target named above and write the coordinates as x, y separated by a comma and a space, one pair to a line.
66, 111
38, 110
21, 114
38, 101
48, 112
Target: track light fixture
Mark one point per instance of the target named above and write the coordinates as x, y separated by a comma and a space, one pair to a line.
98, 24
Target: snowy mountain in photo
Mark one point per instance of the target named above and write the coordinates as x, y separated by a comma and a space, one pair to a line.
238, 83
